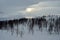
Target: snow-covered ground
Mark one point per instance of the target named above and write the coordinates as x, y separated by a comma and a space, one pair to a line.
24, 34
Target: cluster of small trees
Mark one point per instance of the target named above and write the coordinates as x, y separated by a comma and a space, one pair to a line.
54, 24
11, 23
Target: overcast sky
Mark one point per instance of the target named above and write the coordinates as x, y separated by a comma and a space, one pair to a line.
12, 8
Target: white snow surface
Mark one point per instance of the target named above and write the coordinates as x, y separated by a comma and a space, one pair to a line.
37, 35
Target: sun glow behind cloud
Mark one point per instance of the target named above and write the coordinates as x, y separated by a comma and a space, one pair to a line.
42, 8
30, 9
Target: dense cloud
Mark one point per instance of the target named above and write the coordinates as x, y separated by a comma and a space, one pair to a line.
15, 8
